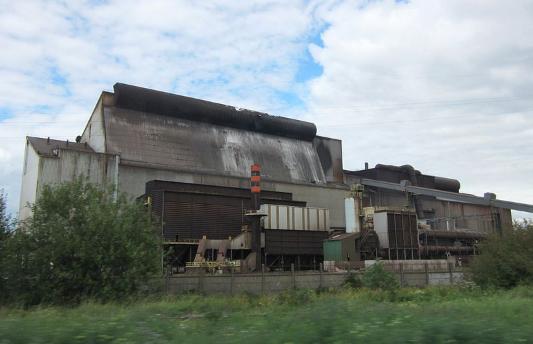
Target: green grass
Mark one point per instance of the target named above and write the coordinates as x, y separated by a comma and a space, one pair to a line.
435, 315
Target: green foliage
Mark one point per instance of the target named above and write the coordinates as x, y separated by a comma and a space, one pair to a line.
295, 297
429, 315
6, 226
80, 244
376, 277
353, 281
506, 261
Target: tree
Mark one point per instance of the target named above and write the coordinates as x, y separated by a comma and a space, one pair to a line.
5, 219
81, 243
376, 277
5, 231
506, 261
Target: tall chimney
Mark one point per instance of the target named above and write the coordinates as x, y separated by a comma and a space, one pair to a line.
255, 218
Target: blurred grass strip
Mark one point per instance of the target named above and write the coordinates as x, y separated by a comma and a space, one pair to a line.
433, 315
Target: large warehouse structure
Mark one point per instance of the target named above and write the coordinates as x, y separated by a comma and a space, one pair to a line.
190, 159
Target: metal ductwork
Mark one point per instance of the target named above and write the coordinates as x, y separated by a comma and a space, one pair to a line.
450, 196
447, 184
412, 173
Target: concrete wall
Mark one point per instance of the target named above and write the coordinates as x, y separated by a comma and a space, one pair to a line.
30, 173
330, 154
94, 132
198, 147
68, 165
268, 283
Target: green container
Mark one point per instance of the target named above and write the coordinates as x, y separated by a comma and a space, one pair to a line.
341, 248
333, 250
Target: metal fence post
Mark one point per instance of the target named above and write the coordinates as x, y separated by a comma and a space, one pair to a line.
426, 269
262, 279
320, 268
402, 283
293, 276
231, 282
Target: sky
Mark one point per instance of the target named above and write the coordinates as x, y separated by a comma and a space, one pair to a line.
446, 86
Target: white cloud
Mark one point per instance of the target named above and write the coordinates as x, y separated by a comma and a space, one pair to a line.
443, 85
58, 56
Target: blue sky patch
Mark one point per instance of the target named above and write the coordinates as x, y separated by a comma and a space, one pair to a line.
307, 67
5, 113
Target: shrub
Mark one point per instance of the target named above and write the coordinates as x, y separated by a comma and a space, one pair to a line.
376, 277
81, 243
506, 261
353, 281
295, 297
6, 226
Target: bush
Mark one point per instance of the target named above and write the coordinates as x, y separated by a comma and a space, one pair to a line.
353, 281
81, 243
506, 261
295, 297
376, 277
6, 226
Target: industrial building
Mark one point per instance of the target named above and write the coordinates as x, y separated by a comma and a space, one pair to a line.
190, 161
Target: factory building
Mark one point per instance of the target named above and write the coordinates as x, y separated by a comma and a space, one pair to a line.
189, 160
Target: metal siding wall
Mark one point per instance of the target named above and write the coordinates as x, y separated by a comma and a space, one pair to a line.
281, 242
191, 216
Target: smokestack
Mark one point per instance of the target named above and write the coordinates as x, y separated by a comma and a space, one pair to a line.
255, 186
255, 189
366, 165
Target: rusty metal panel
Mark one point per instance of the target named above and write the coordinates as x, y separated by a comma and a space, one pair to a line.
190, 211
396, 230
288, 242
271, 197
191, 216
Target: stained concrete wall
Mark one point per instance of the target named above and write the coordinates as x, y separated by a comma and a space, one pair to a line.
198, 147
66, 166
268, 283
69, 165
30, 173
94, 132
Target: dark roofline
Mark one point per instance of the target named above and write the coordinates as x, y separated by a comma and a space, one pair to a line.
46, 146
173, 105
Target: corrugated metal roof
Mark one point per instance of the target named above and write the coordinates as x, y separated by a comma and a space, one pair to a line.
47, 146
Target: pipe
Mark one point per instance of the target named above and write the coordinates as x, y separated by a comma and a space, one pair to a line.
447, 184
414, 181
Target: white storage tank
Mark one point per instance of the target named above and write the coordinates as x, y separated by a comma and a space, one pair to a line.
295, 218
